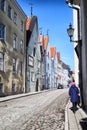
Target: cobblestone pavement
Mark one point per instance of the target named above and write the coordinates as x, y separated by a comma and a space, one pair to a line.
43, 111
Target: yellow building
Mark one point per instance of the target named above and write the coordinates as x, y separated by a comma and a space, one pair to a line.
12, 48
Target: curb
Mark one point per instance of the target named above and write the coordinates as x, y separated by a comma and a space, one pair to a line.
66, 117
7, 98
11, 97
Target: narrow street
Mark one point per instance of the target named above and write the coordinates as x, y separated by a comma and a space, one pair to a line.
44, 111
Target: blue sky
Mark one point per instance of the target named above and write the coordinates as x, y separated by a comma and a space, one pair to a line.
54, 15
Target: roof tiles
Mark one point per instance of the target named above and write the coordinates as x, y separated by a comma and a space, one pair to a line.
45, 42
28, 23
52, 51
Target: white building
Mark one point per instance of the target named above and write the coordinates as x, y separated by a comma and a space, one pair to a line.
54, 65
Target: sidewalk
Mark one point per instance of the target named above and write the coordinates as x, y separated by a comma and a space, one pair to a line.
75, 121
7, 98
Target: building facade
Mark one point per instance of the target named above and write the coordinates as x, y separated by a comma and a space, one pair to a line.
83, 6
33, 57
82, 30
12, 47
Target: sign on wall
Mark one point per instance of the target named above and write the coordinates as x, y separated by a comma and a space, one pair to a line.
30, 61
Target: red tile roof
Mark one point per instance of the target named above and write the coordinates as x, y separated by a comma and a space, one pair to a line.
28, 23
41, 39
45, 42
52, 51
58, 54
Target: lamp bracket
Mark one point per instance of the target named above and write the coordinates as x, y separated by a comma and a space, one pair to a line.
77, 41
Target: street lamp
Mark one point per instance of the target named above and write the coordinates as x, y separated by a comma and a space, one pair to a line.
70, 32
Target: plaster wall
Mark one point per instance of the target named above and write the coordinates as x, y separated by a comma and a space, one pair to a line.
84, 48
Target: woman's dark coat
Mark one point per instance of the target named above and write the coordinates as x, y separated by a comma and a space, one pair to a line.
73, 92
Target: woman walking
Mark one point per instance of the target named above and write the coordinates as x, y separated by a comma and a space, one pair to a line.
73, 93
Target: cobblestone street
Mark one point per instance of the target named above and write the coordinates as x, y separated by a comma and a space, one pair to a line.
44, 111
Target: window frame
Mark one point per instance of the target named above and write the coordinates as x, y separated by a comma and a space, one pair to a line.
21, 68
34, 51
9, 12
32, 76
2, 32
14, 65
15, 41
22, 47
15, 18
2, 67
22, 26
2, 88
13, 87
3, 5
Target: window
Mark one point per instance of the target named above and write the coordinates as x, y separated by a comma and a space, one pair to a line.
1, 61
32, 76
48, 54
13, 87
1, 88
15, 41
21, 68
2, 5
14, 65
34, 51
21, 47
9, 12
2, 31
22, 26
48, 66
20, 88
15, 18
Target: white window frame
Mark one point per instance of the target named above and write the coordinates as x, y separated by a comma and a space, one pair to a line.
22, 47
15, 18
15, 41
1, 61
14, 65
